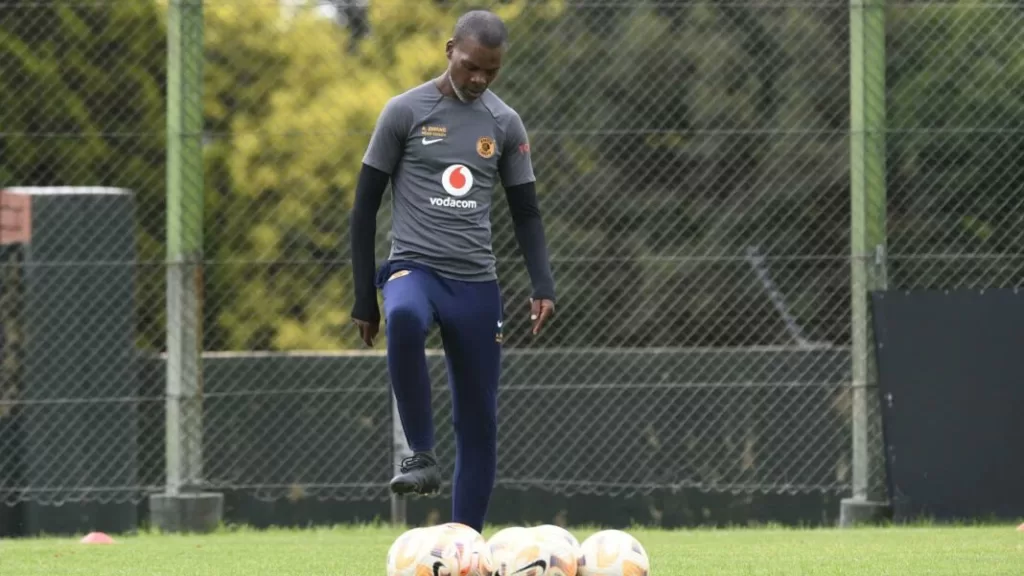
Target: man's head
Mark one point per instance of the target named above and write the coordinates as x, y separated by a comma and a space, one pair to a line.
475, 52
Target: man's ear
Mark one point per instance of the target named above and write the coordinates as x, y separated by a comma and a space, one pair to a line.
448, 47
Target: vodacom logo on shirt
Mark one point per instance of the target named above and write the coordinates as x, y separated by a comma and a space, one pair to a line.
457, 181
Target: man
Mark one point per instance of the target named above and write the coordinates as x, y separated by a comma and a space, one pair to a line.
444, 145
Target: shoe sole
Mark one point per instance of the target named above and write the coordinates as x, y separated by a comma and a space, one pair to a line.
403, 488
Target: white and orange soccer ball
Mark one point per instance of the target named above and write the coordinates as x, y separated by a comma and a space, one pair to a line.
553, 531
613, 553
406, 552
537, 551
503, 545
450, 549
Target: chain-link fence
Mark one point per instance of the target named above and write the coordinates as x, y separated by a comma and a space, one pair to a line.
694, 163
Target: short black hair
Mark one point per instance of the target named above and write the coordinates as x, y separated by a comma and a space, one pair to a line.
483, 26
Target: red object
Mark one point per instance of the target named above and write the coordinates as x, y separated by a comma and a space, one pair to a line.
1020, 528
97, 538
15, 217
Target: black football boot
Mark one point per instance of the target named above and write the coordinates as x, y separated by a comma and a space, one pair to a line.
420, 475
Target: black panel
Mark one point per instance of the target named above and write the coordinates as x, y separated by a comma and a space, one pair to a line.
951, 376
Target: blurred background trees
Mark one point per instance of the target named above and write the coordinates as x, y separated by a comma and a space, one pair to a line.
692, 158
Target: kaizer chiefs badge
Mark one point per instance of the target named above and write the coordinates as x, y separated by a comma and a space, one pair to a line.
485, 147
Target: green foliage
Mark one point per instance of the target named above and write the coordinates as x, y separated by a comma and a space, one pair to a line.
956, 116
82, 104
293, 109
671, 142
675, 140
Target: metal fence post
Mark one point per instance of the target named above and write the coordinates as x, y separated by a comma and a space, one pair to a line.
867, 230
183, 507
400, 450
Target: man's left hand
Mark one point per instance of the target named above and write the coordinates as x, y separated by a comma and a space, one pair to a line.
540, 312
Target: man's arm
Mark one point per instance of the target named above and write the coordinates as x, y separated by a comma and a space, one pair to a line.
518, 179
379, 162
529, 228
363, 231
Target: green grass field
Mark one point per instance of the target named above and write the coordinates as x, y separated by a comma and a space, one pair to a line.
961, 551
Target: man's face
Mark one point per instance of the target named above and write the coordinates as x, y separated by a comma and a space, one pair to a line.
472, 67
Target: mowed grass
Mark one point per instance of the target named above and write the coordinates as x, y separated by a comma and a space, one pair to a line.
360, 551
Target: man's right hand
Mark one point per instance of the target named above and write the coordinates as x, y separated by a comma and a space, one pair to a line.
367, 330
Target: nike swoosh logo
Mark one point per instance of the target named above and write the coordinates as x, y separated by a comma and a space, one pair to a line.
429, 142
535, 564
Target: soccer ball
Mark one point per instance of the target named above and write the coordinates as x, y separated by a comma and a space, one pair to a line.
554, 532
458, 550
537, 551
613, 553
561, 547
406, 552
503, 545
450, 549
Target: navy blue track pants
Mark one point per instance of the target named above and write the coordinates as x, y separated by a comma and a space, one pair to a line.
469, 316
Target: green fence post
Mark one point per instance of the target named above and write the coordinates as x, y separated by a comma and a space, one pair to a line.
867, 234
183, 506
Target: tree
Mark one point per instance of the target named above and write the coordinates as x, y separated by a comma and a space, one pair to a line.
675, 147
956, 172
670, 141
293, 107
82, 104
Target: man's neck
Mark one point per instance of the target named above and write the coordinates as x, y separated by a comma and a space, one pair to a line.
441, 83
444, 84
